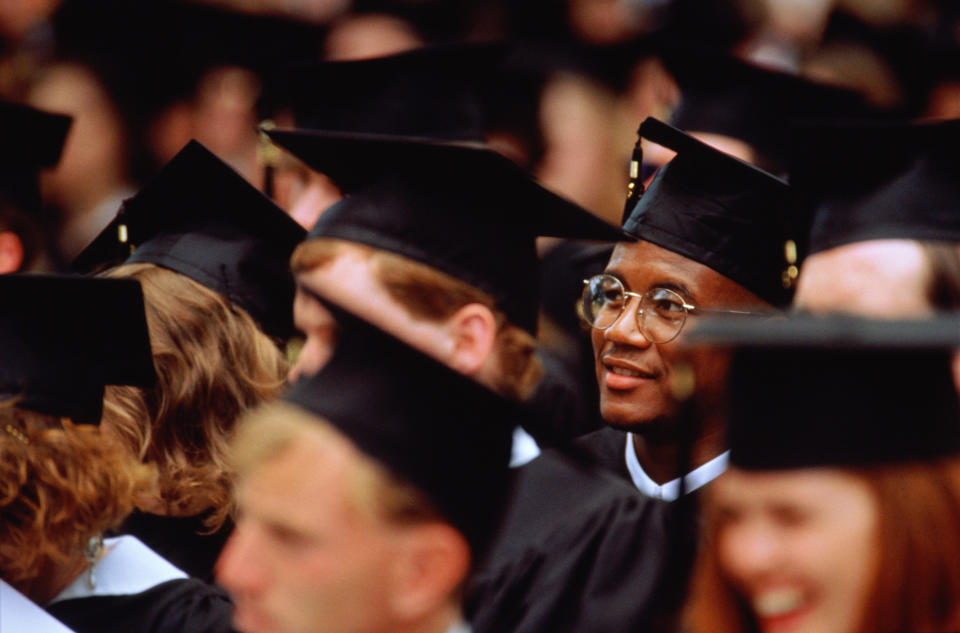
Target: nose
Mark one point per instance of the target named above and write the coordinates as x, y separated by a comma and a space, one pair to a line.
625, 330
749, 551
239, 570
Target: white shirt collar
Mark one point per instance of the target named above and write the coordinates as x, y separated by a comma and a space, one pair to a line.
670, 490
524, 448
128, 567
17, 613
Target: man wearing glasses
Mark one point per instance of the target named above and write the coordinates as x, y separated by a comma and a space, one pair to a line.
714, 237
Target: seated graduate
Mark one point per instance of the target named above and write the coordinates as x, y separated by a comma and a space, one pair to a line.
840, 512
64, 481
366, 494
33, 140
211, 254
885, 236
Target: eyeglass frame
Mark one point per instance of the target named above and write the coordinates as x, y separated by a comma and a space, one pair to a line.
638, 316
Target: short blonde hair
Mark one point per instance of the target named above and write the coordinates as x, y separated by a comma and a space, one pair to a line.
213, 364
432, 295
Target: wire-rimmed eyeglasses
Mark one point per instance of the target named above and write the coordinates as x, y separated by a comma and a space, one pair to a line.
661, 313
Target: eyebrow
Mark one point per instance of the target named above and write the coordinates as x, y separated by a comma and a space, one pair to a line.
677, 286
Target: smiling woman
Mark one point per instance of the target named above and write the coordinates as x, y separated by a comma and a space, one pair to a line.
843, 515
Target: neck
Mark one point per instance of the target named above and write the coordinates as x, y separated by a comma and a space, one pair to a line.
438, 622
661, 460
52, 579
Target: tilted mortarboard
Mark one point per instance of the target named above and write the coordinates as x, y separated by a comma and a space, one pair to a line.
32, 140
881, 181
427, 424
719, 211
462, 209
721, 94
838, 391
64, 337
202, 219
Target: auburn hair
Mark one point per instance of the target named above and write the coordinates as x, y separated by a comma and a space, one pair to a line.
432, 295
60, 485
213, 364
917, 584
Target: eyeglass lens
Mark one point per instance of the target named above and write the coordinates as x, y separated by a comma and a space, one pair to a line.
660, 315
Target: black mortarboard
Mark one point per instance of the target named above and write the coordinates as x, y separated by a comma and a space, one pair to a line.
464, 210
429, 425
32, 140
717, 210
202, 219
904, 188
725, 95
832, 391
65, 336
434, 92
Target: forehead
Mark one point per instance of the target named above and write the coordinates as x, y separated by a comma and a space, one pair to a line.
304, 487
643, 265
811, 487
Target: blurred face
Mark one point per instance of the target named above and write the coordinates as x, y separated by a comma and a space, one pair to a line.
302, 558
799, 546
349, 280
633, 373
875, 278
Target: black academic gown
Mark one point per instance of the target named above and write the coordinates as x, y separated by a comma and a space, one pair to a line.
181, 540
606, 448
176, 606
580, 551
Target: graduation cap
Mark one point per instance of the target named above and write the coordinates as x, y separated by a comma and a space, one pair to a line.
202, 219
907, 189
65, 336
460, 208
722, 94
33, 140
432, 92
427, 424
839, 391
720, 211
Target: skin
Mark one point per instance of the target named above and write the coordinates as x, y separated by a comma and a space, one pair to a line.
644, 404
464, 342
305, 559
875, 278
800, 546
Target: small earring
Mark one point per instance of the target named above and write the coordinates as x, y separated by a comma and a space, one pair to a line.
92, 554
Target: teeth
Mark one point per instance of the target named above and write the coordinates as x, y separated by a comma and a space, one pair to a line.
777, 602
622, 371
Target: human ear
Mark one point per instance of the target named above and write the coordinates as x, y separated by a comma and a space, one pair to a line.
11, 252
473, 330
432, 562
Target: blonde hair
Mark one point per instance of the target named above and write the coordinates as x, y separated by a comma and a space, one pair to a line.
60, 485
432, 295
213, 364
266, 432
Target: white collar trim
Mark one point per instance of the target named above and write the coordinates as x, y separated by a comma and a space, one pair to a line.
17, 613
670, 490
128, 567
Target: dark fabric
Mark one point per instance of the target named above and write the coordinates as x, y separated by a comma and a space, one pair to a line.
59, 365
176, 606
181, 540
202, 219
32, 140
580, 551
607, 448
560, 410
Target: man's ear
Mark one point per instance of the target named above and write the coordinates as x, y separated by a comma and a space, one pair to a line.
431, 565
473, 331
11, 252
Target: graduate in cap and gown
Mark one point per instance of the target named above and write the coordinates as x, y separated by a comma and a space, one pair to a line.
211, 253
367, 493
65, 480
885, 236
841, 508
